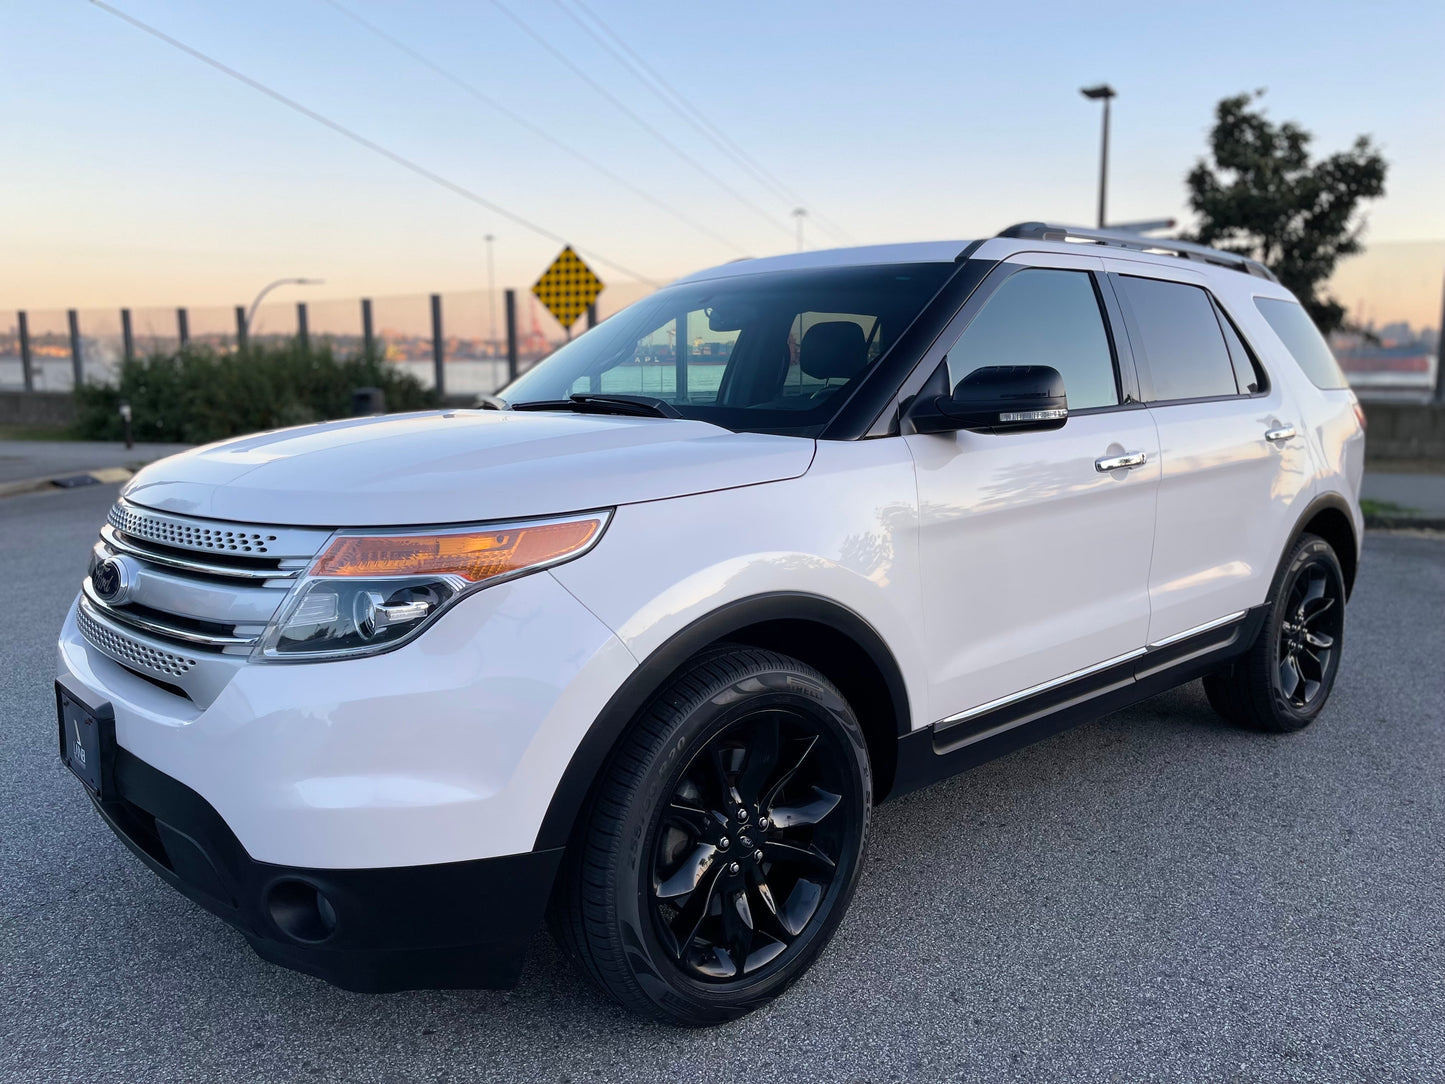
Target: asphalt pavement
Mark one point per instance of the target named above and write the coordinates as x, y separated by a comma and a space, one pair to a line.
1155, 896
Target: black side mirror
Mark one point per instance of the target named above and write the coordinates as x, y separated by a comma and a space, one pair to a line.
996, 399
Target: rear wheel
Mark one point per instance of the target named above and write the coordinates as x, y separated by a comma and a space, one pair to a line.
725, 842
1284, 679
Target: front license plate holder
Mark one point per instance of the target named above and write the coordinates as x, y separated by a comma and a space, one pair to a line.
87, 740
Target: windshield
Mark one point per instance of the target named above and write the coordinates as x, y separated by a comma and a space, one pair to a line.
774, 352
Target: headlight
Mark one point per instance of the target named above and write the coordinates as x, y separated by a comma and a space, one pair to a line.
371, 591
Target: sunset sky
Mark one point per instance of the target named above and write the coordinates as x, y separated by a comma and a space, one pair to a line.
136, 175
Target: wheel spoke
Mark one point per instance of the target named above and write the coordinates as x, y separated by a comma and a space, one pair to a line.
1289, 676
727, 793
1311, 669
769, 922
690, 919
777, 787
809, 812
761, 759
1319, 641
1313, 610
809, 857
737, 922
689, 875
801, 904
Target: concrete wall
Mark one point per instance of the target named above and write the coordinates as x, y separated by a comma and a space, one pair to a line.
55, 408
1404, 431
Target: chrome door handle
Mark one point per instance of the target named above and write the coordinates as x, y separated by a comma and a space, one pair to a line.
1280, 433
1127, 461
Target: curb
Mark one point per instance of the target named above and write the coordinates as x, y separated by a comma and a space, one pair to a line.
101, 476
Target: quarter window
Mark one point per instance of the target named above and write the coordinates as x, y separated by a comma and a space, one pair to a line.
1043, 316
1181, 339
1303, 340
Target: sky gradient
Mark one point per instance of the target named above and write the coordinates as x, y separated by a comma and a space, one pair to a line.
138, 176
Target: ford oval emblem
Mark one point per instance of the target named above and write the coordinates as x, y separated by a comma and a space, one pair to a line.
112, 580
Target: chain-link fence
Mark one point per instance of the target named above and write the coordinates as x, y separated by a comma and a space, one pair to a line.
1393, 293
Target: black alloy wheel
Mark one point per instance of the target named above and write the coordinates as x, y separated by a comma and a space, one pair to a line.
749, 844
1312, 623
723, 843
1282, 681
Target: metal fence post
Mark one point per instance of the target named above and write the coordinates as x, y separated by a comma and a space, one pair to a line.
25, 367
127, 339
679, 360
1440, 352
592, 315
438, 345
303, 332
183, 328
367, 340
76, 363
241, 337
511, 307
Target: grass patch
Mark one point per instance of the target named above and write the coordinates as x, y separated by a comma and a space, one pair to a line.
37, 432
1386, 508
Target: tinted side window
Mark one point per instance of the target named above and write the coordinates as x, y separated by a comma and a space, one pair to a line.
1303, 340
1182, 343
1043, 317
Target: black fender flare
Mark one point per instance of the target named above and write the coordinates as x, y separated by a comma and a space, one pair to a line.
590, 757
1332, 502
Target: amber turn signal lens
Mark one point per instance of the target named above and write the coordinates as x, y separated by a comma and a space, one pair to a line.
472, 555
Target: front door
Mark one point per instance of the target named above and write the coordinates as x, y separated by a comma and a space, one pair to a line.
1035, 551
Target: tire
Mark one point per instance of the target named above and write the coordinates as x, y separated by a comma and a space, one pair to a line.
647, 903
1283, 681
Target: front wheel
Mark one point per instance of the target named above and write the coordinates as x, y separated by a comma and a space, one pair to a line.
724, 843
1282, 682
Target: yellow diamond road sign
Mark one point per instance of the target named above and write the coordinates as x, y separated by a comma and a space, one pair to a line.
567, 287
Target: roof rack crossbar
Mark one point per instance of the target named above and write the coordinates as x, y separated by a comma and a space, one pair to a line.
1044, 231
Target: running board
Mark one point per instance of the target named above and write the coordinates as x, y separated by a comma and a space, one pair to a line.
990, 731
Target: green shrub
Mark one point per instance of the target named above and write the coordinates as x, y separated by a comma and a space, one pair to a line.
197, 395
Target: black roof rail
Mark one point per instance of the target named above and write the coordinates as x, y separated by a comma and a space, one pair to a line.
1043, 231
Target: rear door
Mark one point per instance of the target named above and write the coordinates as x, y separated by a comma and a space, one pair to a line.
1235, 465
1035, 556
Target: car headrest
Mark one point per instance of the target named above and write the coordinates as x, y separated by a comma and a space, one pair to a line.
834, 349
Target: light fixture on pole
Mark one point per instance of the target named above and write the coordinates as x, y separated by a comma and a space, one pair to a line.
251, 312
800, 213
1105, 93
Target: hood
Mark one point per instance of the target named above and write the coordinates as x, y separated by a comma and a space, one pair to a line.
459, 466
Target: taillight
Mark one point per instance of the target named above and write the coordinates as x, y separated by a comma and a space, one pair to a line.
1360, 414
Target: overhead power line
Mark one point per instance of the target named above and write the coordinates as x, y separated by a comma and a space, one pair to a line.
518, 118
369, 144
634, 116
683, 107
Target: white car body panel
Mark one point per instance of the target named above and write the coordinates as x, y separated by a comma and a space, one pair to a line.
459, 466
446, 749
1036, 564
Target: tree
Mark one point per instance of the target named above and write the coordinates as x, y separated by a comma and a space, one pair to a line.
1262, 196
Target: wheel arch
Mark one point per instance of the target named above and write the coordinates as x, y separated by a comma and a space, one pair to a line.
826, 635
1328, 516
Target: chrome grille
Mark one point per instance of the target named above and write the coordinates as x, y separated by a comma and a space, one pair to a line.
132, 652
174, 532
200, 593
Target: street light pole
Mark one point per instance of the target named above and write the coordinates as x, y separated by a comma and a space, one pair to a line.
800, 213
251, 312
1105, 93
491, 296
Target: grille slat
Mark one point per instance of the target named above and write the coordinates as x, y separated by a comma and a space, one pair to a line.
171, 532
132, 652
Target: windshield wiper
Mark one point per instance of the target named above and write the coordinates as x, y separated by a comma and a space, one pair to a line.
591, 403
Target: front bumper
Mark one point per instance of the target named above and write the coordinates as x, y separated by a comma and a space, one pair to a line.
457, 924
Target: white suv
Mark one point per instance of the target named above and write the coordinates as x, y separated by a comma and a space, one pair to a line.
643, 649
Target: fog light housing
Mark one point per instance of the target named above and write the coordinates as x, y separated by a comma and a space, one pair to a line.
301, 911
